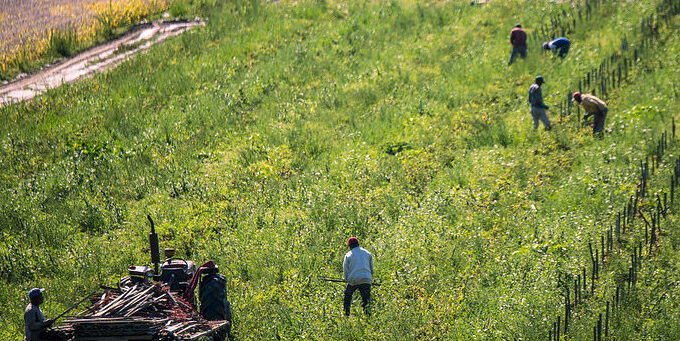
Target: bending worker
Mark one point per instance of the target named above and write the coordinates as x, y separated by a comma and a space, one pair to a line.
34, 320
538, 108
595, 107
357, 268
560, 46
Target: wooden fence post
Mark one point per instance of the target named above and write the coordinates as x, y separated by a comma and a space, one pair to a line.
584, 279
673, 124
599, 328
618, 229
567, 311
617, 295
576, 292
597, 262
606, 322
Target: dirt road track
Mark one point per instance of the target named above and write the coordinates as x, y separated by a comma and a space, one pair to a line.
97, 59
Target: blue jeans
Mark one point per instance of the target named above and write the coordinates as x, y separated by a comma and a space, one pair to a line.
517, 50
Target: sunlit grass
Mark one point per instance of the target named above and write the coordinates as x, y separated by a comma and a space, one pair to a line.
266, 139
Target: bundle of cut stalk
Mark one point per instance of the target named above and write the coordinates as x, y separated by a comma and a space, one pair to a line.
142, 309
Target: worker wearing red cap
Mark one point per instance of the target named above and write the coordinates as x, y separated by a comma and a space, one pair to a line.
595, 107
357, 269
34, 320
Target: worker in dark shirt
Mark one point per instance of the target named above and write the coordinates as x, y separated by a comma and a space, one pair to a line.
34, 320
518, 39
559, 45
538, 108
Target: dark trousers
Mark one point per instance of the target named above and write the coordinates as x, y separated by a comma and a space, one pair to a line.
563, 50
364, 289
598, 120
517, 51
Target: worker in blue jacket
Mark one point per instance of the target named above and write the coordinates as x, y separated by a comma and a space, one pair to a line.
560, 45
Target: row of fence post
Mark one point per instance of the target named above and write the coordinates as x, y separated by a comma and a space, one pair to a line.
610, 75
564, 23
622, 225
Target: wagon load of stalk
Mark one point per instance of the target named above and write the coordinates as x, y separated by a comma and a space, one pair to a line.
154, 304
139, 310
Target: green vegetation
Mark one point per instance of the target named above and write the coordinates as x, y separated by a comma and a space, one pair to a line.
179, 8
265, 139
64, 44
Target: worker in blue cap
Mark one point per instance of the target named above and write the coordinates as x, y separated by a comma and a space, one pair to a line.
34, 320
538, 108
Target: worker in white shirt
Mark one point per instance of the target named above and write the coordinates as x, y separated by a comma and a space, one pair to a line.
357, 269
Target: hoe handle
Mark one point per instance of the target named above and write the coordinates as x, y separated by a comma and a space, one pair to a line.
75, 305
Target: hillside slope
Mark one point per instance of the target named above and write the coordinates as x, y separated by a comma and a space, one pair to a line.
265, 139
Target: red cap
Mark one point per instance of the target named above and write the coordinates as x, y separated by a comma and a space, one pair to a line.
352, 241
577, 95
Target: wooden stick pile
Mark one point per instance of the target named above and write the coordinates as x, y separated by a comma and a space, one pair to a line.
141, 309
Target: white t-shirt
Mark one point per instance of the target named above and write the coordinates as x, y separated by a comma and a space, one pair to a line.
357, 267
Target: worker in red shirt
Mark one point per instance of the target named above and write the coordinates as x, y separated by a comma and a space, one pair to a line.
518, 39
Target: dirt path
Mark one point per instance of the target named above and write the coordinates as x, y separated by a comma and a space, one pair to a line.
97, 59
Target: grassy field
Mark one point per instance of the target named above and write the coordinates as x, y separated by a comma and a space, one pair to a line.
266, 139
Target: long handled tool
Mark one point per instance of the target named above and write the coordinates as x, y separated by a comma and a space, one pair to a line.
334, 279
74, 306
153, 246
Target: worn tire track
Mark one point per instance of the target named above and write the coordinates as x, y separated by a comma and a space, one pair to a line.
97, 59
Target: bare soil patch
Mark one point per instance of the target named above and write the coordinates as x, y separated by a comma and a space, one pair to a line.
97, 59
